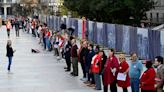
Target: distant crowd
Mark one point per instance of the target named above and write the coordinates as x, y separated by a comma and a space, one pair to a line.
98, 68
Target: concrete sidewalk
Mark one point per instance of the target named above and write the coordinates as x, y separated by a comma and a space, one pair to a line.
35, 72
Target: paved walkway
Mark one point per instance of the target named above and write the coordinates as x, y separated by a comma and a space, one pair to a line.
35, 72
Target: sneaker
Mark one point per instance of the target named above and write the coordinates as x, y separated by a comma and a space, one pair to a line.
83, 79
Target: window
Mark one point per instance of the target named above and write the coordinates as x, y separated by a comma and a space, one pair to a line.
1, 11
157, 16
1, 1
9, 11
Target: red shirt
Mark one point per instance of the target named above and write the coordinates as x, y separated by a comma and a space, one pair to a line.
148, 78
122, 69
112, 62
48, 34
96, 64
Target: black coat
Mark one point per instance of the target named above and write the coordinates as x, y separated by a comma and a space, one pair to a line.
68, 50
9, 51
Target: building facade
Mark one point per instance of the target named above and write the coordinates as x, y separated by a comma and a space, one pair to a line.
54, 5
156, 15
6, 7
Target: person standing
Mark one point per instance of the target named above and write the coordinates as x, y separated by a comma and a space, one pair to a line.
40, 34
8, 27
83, 54
124, 68
135, 72
47, 37
160, 73
34, 27
96, 69
68, 54
110, 72
88, 59
74, 57
17, 28
44, 30
147, 81
9, 54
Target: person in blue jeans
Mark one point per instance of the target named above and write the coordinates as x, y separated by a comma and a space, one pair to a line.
9, 53
135, 72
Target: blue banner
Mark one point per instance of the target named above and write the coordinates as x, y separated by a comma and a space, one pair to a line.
162, 42
126, 40
111, 35
143, 43
100, 33
80, 28
90, 31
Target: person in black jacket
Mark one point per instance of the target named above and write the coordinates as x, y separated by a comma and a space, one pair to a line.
67, 54
83, 53
9, 54
89, 57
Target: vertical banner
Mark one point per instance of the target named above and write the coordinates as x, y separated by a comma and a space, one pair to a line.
50, 20
67, 22
155, 43
60, 22
80, 28
162, 42
83, 27
90, 31
133, 39
105, 35
95, 32
99, 33
142, 43
76, 27
54, 23
126, 40
111, 36
119, 37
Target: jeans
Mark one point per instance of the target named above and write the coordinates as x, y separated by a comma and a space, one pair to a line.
97, 81
135, 85
44, 42
48, 43
10, 62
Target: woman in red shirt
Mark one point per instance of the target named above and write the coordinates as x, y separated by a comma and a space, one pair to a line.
147, 80
110, 72
124, 68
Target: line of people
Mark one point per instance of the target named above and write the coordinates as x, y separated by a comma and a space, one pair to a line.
97, 67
